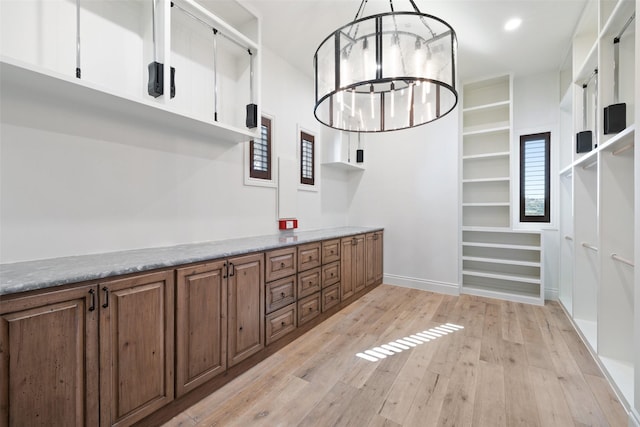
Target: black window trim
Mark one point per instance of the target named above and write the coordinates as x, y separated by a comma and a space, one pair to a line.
255, 174
306, 136
546, 218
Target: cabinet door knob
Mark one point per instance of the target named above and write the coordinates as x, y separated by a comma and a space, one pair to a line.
240, 328
282, 323
310, 258
282, 294
310, 308
331, 274
282, 265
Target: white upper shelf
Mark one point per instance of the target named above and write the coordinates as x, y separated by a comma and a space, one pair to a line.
35, 82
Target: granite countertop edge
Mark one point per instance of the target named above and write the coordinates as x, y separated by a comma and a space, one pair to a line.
46, 273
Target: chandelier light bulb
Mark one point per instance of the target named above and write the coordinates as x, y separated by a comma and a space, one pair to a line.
393, 96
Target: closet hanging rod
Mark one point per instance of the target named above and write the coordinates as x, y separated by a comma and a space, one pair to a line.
231, 39
624, 27
588, 246
622, 260
567, 237
623, 149
590, 165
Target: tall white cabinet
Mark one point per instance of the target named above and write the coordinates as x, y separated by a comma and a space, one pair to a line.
598, 286
497, 261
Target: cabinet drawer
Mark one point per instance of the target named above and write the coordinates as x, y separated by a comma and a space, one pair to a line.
308, 256
308, 282
280, 323
308, 308
330, 274
330, 297
280, 293
281, 263
330, 251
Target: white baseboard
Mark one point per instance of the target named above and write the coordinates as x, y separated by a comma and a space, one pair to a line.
551, 294
422, 284
634, 419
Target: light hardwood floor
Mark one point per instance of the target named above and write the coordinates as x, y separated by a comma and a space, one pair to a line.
512, 365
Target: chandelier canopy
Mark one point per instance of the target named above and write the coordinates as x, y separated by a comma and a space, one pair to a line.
386, 72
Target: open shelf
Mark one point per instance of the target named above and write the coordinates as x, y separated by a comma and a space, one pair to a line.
479, 180
502, 261
486, 128
501, 246
345, 166
497, 155
28, 82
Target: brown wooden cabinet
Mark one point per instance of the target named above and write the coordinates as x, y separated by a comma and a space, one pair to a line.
280, 263
330, 251
352, 265
309, 256
308, 308
201, 324
280, 323
309, 282
280, 293
136, 347
246, 307
49, 359
374, 257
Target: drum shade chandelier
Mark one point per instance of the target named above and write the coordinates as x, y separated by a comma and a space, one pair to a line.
386, 72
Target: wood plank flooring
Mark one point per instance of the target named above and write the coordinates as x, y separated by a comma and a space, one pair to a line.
511, 365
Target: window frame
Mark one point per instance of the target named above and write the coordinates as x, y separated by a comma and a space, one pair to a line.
546, 218
256, 174
310, 138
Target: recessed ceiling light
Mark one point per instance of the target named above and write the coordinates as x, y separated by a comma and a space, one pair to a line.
512, 24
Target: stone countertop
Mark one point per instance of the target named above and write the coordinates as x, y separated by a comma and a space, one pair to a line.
41, 274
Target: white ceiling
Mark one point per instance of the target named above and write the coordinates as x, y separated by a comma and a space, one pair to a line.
295, 28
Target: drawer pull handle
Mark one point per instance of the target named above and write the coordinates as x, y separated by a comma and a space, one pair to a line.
282, 265
106, 297
282, 323
282, 294
309, 258
240, 328
310, 283
332, 252
310, 308
331, 274
332, 298
92, 307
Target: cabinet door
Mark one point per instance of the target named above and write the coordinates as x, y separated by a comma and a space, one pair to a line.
246, 307
374, 258
201, 324
378, 263
359, 263
346, 267
136, 347
49, 359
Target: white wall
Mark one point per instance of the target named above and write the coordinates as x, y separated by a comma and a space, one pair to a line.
410, 187
75, 183
536, 109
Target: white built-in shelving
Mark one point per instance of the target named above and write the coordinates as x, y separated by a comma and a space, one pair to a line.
38, 64
597, 280
496, 260
339, 150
